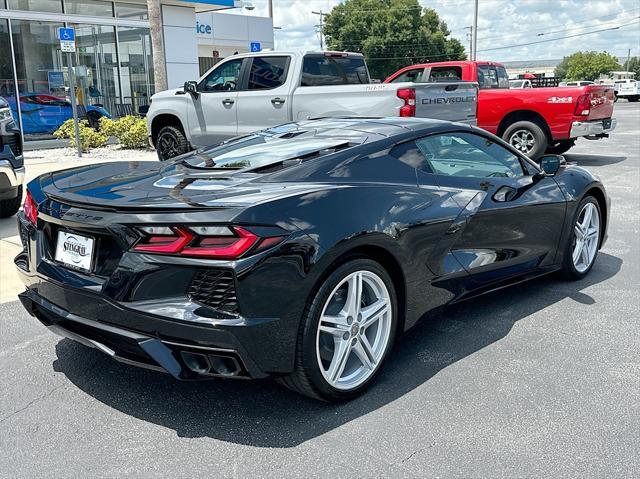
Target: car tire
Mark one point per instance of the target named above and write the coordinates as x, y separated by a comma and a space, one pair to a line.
11, 206
560, 147
634, 98
171, 142
314, 346
575, 266
526, 137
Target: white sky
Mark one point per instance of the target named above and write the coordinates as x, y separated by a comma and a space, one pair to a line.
501, 23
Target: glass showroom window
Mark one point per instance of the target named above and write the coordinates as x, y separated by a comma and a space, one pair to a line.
96, 67
41, 77
52, 6
132, 11
136, 66
7, 84
94, 8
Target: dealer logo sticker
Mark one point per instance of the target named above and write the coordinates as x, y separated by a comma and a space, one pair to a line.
560, 99
74, 250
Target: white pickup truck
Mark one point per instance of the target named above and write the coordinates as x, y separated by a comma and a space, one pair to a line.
249, 92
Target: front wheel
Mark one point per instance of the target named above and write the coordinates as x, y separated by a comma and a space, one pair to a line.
526, 137
582, 248
171, 142
346, 333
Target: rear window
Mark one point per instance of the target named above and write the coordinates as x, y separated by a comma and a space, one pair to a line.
320, 70
268, 72
445, 74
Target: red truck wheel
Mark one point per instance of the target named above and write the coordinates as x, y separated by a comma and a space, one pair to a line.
526, 137
560, 147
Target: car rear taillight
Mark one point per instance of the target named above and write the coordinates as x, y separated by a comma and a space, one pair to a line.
409, 97
218, 242
30, 209
583, 105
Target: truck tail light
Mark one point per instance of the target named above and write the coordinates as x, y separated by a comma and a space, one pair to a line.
583, 105
409, 97
30, 209
216, 242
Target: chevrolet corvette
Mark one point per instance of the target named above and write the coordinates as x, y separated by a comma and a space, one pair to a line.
300, 252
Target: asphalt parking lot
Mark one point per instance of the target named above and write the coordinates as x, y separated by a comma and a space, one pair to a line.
539, 380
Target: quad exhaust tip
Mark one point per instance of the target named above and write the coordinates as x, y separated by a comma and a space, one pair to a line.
211, 364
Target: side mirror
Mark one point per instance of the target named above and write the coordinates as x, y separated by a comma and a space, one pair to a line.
550, 164
191, 87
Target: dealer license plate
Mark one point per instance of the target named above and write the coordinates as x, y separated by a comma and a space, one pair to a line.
74, 250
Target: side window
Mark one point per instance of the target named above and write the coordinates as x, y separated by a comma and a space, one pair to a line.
320, 70
410, 154
445, 74
503, 78
410, 75
468, 155
223, 78
487, 77
267, 72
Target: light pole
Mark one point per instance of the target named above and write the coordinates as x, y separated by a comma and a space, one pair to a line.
474, 45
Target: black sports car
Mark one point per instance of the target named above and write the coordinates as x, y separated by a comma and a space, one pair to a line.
300, 252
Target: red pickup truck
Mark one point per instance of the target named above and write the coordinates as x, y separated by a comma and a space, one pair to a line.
535, 120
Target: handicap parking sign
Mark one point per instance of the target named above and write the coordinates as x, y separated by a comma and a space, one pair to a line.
255, 47
67, 34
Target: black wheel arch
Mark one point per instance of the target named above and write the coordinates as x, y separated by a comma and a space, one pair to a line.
162, 120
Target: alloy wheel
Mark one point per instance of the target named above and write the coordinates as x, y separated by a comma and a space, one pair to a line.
354, 330
522, 140
586, 237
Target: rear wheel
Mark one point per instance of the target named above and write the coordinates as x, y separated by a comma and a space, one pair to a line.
171, 142
582, 247
634, 98
11, 206
560, 147
346, 333
526, 137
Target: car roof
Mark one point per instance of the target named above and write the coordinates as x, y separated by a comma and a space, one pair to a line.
368, 128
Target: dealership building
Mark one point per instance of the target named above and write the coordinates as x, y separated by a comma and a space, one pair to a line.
113, 61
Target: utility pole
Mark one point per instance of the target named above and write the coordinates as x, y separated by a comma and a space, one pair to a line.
270, 8
474, 43
626, 65
321, 27
157, 45
470, 38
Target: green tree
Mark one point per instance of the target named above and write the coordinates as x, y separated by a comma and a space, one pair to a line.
634, 66
391, 34
586, 65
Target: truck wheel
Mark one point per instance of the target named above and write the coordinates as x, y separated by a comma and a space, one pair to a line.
170, 143
560, 147
526, 137
634, 98
11, 206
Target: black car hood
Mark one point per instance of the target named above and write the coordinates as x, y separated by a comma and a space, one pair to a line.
156, 185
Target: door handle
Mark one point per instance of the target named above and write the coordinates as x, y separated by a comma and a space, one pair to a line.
228, 102
277, 101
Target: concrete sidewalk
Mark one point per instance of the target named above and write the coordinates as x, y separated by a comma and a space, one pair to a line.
37, 163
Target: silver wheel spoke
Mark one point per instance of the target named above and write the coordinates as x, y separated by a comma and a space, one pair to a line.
373, 312
354, 295
366, 359
577, 251
343, 348
335, 325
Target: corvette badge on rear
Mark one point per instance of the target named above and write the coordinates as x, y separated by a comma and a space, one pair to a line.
74, 250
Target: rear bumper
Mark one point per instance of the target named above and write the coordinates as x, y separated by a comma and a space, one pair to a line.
151, 349
591, 128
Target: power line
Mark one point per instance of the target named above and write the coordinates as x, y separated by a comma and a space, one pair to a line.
506, 46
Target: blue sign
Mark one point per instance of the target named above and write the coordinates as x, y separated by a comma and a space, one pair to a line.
255, 47
56, 79
67, 34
